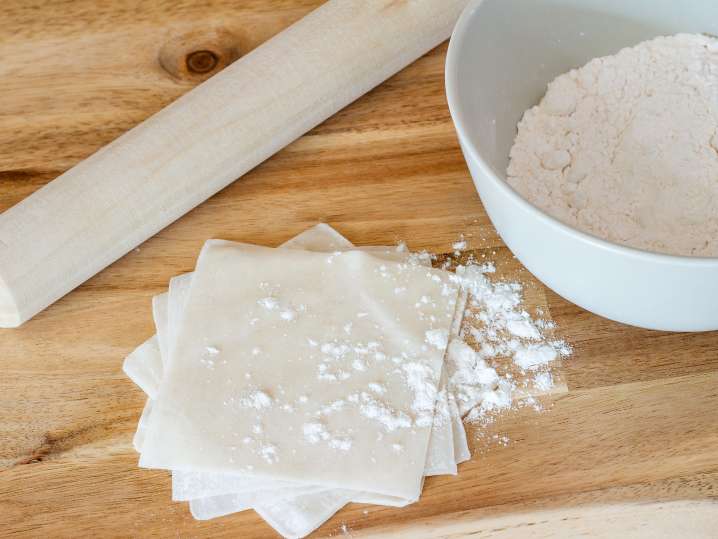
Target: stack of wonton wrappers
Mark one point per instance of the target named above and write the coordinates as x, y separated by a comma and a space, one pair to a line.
295, 380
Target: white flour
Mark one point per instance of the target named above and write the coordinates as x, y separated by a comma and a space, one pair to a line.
373, 408
500, 326
498, 329
495, 329
626, 148
315, 433
419, 378
256, 400
438, 338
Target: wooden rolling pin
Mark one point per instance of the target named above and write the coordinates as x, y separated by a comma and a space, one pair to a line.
129, 190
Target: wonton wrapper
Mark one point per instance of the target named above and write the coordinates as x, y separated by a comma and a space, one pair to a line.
193, 485
213, 437
306, 510
144, 366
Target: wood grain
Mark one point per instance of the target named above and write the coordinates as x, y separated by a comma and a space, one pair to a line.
637, 425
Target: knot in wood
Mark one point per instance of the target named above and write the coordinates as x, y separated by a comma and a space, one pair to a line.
199, 54
202, 62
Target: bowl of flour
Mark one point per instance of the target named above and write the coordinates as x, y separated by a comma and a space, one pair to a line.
590, 128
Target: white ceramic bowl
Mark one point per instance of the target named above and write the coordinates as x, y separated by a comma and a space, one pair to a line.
501, 57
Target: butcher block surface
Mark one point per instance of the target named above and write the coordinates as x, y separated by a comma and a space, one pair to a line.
631, 440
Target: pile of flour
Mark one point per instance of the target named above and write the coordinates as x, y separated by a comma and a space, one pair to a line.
502, 357
626, 148
498, 325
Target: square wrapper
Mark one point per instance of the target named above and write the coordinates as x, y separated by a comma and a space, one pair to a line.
299, 514
182, 436
198, 485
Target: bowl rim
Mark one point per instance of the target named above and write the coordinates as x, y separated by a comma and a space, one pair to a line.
452, 74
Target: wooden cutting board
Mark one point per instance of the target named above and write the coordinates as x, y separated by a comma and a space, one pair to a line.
637, 424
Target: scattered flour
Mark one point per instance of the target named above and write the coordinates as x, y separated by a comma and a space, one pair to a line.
208, 359
342, 444
471, 379
269, 452
359, 365
257, 400
543, 381
317, 432
626, 147
535, 355
438, 338
501, 328
332, 407
523, 328
495, 321
459, 246
269, 303
288, 315
504, 327
372, 408
420, 379
208, 362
